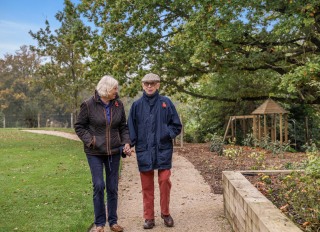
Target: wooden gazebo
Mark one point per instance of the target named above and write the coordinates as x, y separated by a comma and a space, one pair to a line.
264, 122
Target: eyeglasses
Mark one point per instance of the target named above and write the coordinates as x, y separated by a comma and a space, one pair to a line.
151, 84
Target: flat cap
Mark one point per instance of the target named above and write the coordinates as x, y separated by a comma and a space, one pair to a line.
150, 77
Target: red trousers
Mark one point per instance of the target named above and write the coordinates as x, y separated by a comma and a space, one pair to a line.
147, 183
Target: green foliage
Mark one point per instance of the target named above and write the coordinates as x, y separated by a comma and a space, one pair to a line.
302, 192
299, 115
227, 55
30, 115
1, 119
275, 147
265, 178
313, 168
221, 58
216, 144
20, 93
67, 49
313, 165
304, 80
196, 136
311, 148
16, 74
185, 41
46, 179
210, 117
259, 158
232, 153
250, 141
278, 149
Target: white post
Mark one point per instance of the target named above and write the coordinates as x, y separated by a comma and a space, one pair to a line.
182, 130
38, 120
71, 119
181, 140
4, 121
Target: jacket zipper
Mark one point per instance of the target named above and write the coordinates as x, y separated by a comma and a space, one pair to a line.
109, 137
107, 131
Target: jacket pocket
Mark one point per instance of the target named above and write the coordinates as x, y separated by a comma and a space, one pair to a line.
140, 148
143, 156
165, 135
165, 146
165, 154
100, 144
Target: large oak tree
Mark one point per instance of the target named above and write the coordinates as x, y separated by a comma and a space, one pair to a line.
237, 44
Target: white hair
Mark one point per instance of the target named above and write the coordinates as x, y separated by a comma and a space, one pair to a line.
106, 84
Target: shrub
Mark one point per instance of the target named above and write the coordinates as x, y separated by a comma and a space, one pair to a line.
250, 141
188, 138
313, 165
232, 153
217, 144
301, 192
259, 158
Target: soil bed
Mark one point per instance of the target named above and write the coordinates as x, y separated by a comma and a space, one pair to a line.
210, 165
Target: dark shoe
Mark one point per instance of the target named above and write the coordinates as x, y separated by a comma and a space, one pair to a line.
149, 224
116, 228
168, 220
99, 229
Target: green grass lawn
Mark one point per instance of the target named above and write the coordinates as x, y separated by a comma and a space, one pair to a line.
45, 183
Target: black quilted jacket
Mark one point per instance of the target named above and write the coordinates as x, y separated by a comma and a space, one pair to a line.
98, 136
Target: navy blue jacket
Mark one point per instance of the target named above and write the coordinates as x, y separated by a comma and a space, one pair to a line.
153, 124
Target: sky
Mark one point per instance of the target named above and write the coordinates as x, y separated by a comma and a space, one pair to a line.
18, 17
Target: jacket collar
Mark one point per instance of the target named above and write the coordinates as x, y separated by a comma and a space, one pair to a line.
151, 99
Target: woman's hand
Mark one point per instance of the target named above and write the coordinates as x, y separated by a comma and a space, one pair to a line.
127, 149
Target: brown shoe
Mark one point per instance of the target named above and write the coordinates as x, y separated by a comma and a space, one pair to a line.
168, 220
116, 228
149, 224
100, 229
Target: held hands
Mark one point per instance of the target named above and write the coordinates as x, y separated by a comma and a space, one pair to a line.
127, 149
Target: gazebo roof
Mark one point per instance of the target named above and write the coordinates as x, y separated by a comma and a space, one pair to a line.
269, 107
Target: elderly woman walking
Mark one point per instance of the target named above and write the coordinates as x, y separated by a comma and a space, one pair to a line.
102, 127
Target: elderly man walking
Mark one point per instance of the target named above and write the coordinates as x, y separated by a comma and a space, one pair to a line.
153, 124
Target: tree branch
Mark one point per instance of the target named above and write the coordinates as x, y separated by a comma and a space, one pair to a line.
255, 98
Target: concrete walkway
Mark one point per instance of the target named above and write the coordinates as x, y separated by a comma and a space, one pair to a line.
193, 206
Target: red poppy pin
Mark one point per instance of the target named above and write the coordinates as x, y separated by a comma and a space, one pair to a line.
164, 105
116, 104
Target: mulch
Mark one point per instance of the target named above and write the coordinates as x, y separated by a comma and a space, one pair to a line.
210, 164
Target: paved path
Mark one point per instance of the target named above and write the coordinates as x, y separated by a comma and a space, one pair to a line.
56, 133
193, 206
